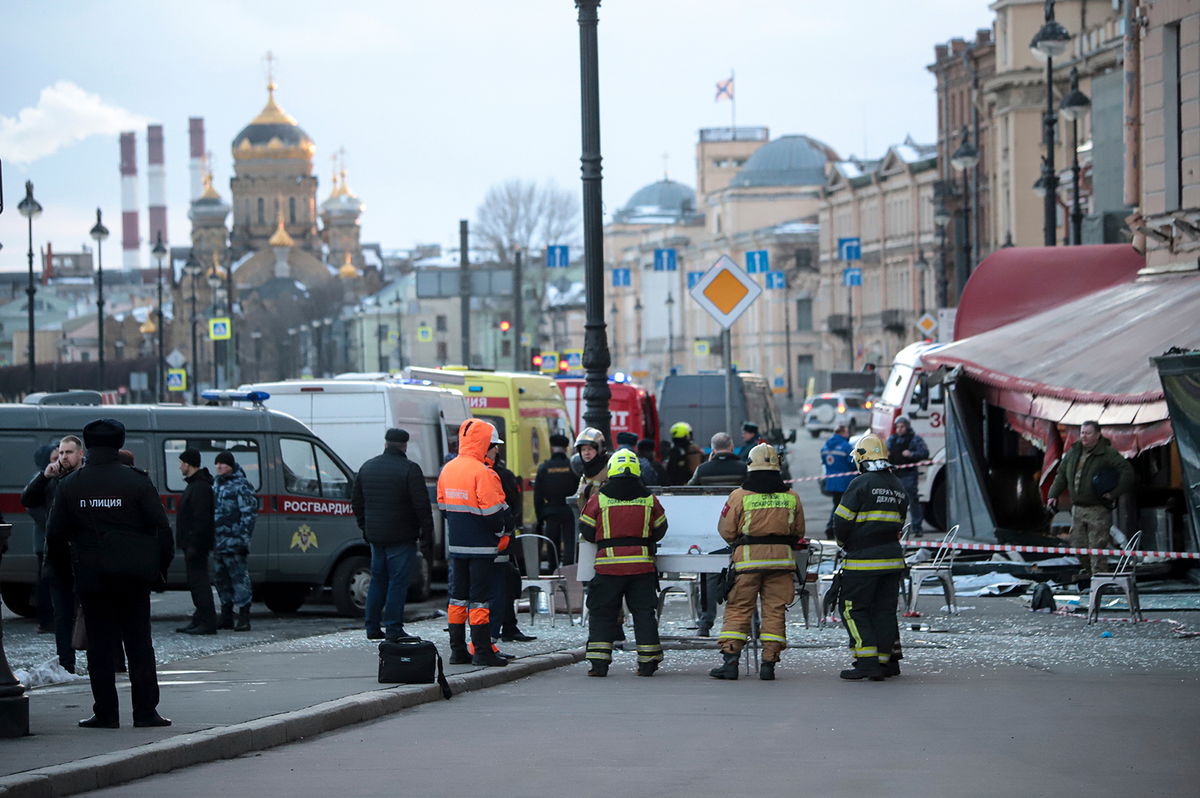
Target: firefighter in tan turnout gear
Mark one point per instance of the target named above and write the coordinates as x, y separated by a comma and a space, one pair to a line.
763, 521
867, 524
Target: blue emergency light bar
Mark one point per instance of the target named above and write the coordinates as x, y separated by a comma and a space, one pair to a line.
257, 397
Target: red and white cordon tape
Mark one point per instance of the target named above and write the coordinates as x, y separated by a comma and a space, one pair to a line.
854, 473
933, 544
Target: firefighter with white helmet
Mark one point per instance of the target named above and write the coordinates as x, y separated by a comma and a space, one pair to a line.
763, 521
867, 524
625, 521
590, 463
684, 456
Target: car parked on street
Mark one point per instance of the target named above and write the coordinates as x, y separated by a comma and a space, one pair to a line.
825, 412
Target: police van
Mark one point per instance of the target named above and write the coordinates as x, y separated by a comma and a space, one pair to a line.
305, 537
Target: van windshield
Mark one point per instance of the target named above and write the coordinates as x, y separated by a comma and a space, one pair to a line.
897, 385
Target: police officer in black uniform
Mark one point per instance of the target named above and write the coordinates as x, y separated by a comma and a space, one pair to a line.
867, 524
556, 481
108, 525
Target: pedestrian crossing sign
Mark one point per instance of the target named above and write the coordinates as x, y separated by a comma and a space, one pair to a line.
176, 379
220, 328
701, 346
424, 333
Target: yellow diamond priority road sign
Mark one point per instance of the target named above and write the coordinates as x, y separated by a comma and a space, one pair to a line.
725, 291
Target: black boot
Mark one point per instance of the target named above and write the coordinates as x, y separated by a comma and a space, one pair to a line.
597, 668
647, 668
485, 654
766, 671
891, 668
205, 623
873, 671
243, 620
190, 625
458, 644
728, 670
226, 617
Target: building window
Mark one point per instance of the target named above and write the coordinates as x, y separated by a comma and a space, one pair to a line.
440, 323
804, 318
443, 353
262, 216
506, 348
291, 210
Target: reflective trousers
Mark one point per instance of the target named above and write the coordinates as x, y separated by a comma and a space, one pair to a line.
640, 594
776, 588
868, 605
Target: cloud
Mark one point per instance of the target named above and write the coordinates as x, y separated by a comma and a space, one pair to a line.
64, 115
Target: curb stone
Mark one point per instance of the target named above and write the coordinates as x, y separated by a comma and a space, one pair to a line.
226, 742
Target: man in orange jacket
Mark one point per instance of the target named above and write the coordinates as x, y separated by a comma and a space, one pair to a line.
471, 496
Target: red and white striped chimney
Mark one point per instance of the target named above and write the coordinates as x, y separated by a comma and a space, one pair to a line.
156, 177
129, 201
196, 147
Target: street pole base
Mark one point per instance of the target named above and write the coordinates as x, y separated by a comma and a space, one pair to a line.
14, 716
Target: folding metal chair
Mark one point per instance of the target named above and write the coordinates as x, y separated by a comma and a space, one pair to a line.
939, 568
533, 580
1122, 577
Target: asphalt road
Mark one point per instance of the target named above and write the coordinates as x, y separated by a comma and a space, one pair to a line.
1066, 729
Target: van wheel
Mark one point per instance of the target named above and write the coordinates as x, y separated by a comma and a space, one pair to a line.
816, 433
284, 597
935, 508
421, 587
18, 598
350, 581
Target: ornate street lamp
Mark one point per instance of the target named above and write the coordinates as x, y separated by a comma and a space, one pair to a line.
30, 209
98, 233
160, 371
941, 218
1048, 43
964, 160
1073, 107
192, 269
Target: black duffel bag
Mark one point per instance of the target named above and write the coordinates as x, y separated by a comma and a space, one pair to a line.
411, 660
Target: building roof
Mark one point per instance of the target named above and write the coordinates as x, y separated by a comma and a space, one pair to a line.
787, 161
272, 132
662, 202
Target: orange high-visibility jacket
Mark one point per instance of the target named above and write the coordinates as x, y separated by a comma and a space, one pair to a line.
471, 495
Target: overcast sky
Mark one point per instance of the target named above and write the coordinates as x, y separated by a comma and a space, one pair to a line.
436, 101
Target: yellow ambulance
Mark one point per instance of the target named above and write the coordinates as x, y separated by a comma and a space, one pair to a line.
526, 409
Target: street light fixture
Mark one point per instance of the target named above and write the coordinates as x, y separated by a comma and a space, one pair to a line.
30, 209
192, 269
964, 160
1073, 108
922, 265
1048, 43
98, 233
159, 252
941, 218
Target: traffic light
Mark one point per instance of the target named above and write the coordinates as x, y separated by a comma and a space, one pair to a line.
563, 365
536, 360
505, 326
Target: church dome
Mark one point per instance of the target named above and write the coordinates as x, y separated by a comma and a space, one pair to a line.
342, 201
272, 134
786, 161
662, 202
209, 205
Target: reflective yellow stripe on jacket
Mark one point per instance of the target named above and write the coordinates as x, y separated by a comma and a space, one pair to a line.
766, 501
606, 556
868, 515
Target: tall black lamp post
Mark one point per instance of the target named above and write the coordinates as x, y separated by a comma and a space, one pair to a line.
1073, 107
1047, 44
964, 159
99, 232
596, 357
160, 372
922, 265
670, 303
941, 218
192, 269
30, 209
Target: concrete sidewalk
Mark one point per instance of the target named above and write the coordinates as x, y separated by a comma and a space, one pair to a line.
230, 703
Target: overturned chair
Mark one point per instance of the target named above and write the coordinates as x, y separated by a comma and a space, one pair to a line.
1122, 578
939, 568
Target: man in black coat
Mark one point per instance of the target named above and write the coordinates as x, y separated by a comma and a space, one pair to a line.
556, 481
108, 524
726, 469
38, 497
391, 505
195, 534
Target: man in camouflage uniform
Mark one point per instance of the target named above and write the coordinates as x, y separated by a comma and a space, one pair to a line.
235, 506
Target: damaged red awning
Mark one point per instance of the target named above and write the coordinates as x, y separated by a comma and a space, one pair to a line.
1016, 282
1088, 359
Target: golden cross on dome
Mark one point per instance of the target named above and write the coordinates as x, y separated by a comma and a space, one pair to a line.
665, 158
270, 59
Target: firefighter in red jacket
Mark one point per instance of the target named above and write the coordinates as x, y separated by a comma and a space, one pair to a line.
625, 522
471, 496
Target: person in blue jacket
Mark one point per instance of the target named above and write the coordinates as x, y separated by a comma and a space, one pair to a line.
835, 457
